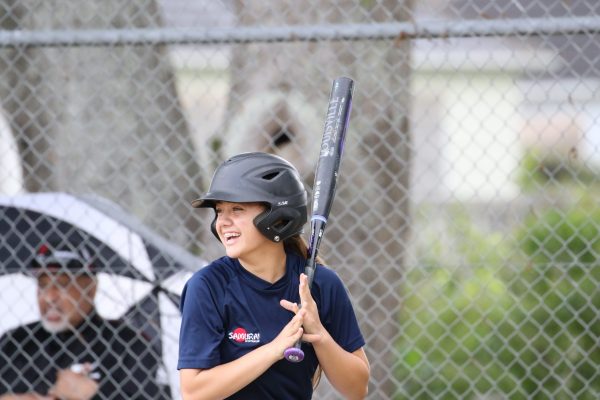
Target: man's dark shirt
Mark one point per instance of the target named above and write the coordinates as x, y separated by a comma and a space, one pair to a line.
30, 358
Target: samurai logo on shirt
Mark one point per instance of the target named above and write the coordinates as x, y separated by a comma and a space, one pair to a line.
241, 336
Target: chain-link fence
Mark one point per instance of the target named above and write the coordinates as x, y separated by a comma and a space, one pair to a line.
466, 223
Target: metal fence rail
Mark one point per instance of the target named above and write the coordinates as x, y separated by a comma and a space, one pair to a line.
331, 32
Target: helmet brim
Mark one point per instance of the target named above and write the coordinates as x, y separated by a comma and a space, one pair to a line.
203, 203
209, 200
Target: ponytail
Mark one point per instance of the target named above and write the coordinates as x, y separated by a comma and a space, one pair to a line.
298, 245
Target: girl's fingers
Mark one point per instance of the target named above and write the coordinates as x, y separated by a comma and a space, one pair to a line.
312, 321
304, 292
300, 316
288, 305
291, 333
305, 295
311, 338
297, 321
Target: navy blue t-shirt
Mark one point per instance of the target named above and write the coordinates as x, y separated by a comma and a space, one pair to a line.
228, 312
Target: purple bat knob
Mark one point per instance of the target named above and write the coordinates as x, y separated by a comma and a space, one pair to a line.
294, 354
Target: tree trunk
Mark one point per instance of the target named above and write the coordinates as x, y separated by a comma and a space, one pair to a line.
278, 104
102, 120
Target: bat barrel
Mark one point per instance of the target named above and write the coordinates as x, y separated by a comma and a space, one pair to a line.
332, 146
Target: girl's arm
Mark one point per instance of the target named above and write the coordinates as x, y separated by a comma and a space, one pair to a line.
226, 379
347, 372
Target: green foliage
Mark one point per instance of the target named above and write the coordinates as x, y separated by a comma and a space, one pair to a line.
530, 331
367, 3
542, 170
448, 340
450, 318
560, 307
562, 237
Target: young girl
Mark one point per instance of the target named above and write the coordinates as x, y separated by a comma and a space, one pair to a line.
241, 312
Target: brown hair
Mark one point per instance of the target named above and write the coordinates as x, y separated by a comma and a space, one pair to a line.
298, 245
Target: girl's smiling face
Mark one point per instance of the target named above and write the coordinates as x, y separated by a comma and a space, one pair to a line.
236, 230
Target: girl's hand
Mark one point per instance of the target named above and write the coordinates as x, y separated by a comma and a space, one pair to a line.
313, 329
289, 335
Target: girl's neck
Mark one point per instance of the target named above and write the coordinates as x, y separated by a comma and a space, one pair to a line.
268, 264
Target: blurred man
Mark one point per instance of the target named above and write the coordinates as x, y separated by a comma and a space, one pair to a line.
72, 353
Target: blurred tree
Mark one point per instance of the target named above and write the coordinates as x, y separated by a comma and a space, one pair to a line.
454, 316
100, 119
559, 304
526, 328
270, 111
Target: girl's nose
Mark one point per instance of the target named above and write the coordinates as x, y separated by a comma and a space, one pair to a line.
223, 219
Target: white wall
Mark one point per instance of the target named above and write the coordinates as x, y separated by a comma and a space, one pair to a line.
466, 136
11, 179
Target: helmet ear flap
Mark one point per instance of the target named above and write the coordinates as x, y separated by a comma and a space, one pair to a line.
277, 224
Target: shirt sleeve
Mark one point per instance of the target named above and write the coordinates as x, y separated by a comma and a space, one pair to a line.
337, 313
202, 327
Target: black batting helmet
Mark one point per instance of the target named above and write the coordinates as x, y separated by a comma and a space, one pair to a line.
261, 178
